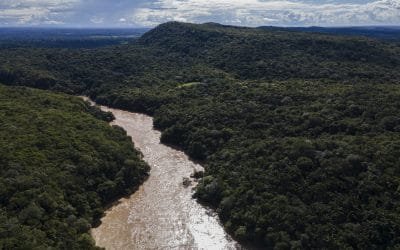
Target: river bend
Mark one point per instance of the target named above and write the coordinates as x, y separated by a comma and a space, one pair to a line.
162, 214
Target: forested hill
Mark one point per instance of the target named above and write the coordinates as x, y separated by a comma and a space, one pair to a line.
249, 53
178, 52
298, 132
60, 165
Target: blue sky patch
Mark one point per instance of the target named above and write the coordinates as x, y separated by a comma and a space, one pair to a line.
140, 13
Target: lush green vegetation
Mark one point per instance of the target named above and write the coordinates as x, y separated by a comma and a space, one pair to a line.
177, 53
296, 165
299, 132
60, 165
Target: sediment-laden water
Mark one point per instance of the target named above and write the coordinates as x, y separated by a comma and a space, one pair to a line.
162, 214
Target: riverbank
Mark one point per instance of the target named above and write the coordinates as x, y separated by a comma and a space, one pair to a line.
162, 213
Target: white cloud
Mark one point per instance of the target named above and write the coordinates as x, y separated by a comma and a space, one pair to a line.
236, 12
269, 12
97, 20
23, 12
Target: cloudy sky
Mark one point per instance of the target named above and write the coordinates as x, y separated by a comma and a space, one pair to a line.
141, 13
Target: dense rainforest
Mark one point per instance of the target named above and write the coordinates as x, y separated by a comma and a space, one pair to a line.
60, 165
298, 132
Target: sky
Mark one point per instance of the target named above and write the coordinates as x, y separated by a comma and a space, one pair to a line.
141, 13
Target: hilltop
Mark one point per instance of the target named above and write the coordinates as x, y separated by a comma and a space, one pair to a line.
180, 52
256, 53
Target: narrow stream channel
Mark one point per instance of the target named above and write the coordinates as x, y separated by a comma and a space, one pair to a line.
162, 214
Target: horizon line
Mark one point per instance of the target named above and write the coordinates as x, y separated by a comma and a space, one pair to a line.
139, 27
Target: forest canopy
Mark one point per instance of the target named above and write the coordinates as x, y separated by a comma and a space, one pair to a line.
298, 132
60, 165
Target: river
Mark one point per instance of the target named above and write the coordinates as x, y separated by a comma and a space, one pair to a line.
162, 214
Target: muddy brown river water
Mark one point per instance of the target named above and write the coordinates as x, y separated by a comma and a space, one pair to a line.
162, 214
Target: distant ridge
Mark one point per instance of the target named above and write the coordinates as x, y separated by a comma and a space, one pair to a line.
380, 32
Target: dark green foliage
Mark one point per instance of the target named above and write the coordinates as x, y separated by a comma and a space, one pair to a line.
176, 53
59, 167
298, 132
308, 173
262, 54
